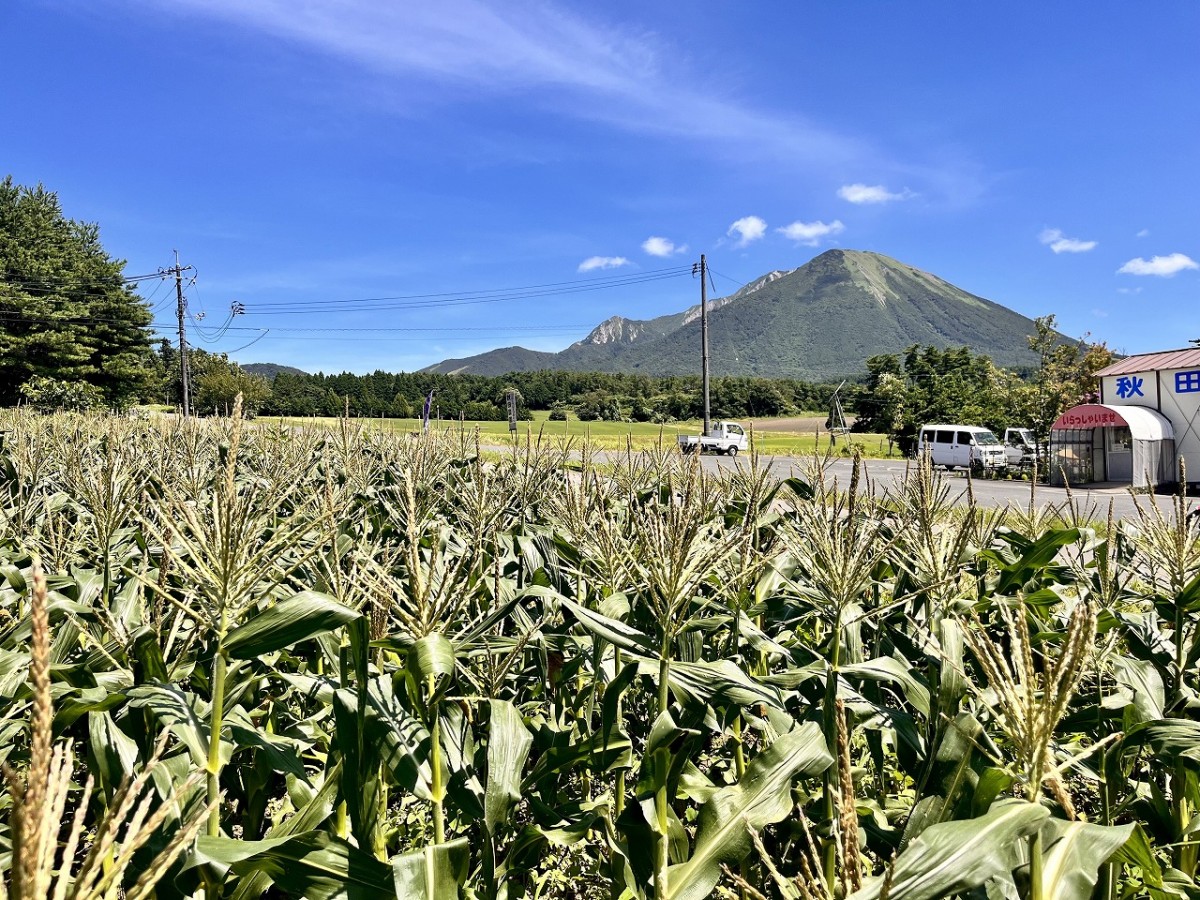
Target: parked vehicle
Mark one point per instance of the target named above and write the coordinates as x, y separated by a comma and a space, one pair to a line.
962, 447
722, 437
1021, 448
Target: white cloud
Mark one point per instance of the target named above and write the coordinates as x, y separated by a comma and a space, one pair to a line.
661, 246
1145, 232
1133, 290
581, 64
602, 262
870, 193
1060, 243
810, 233
747, 229
1100, 313
1163, 266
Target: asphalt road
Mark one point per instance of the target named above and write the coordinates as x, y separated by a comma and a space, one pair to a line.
1092, 502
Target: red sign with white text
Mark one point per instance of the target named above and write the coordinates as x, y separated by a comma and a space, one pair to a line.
1090, 415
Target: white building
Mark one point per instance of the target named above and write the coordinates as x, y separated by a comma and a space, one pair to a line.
1147, 420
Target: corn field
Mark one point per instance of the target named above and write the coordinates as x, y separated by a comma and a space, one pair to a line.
242, 661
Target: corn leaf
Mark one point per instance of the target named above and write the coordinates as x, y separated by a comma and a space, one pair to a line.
298, 618
761, 798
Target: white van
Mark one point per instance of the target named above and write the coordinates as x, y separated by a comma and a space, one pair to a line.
962, 446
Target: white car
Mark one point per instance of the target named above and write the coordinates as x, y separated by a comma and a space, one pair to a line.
962, 447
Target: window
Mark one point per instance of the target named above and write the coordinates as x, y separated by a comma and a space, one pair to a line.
945, 437
1119, 438
964, 438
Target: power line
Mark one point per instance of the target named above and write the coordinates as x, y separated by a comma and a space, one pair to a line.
15, 316
435, 298
461, 298
599, 283
740, 284
306, 308
318, 334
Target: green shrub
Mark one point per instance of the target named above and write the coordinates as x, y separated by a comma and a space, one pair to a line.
47, 394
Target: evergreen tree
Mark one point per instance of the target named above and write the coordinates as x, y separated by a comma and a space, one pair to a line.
65, 310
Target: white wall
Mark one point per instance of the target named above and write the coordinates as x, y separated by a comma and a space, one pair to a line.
1148, 386
1176, 394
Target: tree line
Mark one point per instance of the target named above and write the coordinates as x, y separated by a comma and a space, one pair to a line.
927, 385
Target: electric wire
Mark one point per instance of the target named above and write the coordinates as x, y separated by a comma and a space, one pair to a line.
426, 332
601, 282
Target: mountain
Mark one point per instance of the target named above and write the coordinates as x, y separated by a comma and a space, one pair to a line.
817, 322
270, 370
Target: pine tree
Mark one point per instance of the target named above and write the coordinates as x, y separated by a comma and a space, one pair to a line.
65, 310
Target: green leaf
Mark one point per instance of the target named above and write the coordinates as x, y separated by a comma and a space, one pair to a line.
1142, 679
1073, 855
1175, 739
616, 633
508, 747
1038, 555
885, 668
714, 684
431, 656
149, 656
288, 622
307, 818
762, 797
954, 857
281, 753
174, 709
435, 873
312, 864
114, 751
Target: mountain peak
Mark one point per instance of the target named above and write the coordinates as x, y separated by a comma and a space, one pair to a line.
821, 320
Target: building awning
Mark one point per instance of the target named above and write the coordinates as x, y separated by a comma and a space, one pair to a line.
1144, 424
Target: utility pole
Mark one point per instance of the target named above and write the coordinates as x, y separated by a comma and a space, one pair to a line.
701, 268
180, 308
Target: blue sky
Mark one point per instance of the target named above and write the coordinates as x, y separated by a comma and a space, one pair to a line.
305, 155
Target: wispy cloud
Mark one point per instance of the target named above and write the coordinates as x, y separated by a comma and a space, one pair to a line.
661, 246
1163, 266
1060, 243
811, 233
1132, 290
747, 230
592, 263
576, 63
871, 193
1145, 232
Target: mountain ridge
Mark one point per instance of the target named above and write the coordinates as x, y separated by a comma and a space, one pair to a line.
819, 321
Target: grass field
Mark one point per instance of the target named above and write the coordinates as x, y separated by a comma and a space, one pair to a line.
800, 435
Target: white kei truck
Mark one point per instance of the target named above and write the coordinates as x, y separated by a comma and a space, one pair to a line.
723, 437
962, 447
1021, 448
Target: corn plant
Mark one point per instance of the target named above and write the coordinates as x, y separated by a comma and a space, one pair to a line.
346, 663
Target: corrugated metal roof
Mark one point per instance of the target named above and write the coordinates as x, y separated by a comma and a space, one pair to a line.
1146, 362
